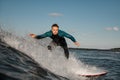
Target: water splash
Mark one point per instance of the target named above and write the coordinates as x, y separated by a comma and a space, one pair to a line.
54, 60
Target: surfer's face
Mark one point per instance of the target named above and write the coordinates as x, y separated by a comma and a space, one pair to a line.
55, 30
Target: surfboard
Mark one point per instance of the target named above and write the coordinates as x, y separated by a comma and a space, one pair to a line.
93, 75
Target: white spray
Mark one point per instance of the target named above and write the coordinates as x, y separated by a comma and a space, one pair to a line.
54, 60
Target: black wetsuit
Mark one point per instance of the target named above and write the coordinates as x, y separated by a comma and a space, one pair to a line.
58, 39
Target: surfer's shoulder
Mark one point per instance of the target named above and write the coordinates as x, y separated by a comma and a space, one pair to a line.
49, 33
62, 33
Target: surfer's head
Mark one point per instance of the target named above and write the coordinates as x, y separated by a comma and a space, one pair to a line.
55, 29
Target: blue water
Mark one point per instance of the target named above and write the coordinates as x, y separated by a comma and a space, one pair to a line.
15, 65
107, 60
25, 59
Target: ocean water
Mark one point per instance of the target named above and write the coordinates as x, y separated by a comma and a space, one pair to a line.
24, 58
107, 60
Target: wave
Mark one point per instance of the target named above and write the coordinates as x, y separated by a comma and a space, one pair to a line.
24, 55
15, 65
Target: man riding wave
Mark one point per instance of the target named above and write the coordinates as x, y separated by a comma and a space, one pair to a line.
57, 37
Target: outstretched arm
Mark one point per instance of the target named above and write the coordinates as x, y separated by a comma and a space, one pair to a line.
47, 34
72, 38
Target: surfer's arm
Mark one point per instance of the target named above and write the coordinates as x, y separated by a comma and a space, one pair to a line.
72, 38
69, 36
42, 35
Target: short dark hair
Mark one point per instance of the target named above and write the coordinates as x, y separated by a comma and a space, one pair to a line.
54, 25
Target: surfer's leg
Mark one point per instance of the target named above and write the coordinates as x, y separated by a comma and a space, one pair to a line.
51, 45
66, 52
63, 44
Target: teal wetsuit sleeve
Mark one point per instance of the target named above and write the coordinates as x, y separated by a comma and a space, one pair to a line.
69, 36
47, 34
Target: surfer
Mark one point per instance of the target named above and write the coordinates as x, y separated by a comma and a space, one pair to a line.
57, 37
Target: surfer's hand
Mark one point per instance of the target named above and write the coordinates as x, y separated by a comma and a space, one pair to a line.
33, 35
77, 43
